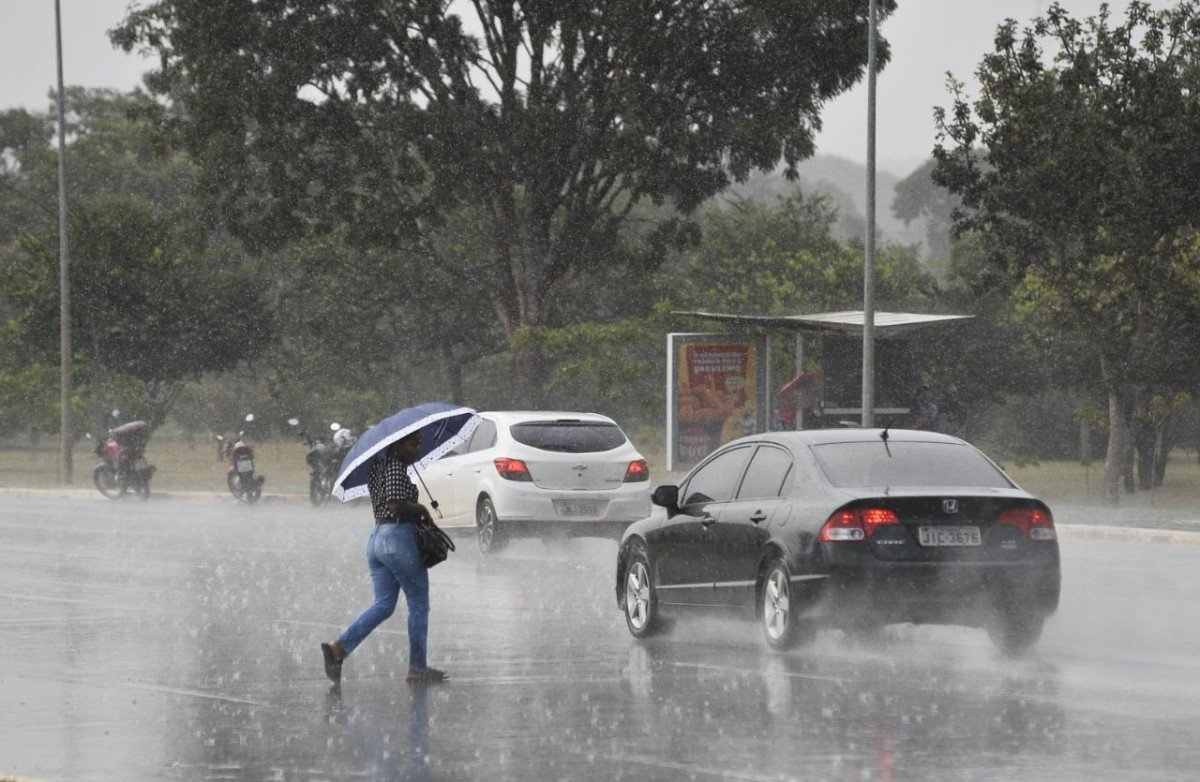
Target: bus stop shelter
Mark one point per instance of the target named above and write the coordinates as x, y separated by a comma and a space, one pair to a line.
719, 385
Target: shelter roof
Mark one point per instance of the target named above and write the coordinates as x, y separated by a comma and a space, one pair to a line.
848, 322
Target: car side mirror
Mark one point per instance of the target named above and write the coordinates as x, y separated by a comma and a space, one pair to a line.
666, 496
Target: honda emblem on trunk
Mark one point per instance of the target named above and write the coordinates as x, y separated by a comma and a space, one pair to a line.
950, 505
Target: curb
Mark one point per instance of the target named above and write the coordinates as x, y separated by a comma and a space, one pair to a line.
185, 496
1135, 534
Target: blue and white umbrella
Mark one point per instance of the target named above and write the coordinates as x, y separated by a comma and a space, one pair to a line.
442, 427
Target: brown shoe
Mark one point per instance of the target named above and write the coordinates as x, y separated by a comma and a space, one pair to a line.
333, 663
425, 676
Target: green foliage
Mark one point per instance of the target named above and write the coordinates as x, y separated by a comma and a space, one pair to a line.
781, 259
553, 121
157, 297
918, 197
1080, 175
28, 394
612, 368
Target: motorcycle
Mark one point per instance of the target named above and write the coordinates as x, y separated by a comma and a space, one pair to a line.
324, 459
123, 465
240, 476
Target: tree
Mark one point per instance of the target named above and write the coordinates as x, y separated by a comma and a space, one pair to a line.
1078, 168
918, 197
781, 258
158, 296
399, 314
554, 119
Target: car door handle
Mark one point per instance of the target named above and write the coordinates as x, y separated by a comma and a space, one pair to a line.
758, 516
707, 521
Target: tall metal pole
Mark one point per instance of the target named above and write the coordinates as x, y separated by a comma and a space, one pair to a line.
64, 281
868, 368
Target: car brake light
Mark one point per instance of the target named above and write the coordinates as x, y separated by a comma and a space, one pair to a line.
856, 524
513, 469
638, 471
1034, 523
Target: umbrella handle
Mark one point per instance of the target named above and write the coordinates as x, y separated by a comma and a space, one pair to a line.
432, 502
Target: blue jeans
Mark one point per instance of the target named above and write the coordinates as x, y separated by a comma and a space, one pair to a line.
396, 564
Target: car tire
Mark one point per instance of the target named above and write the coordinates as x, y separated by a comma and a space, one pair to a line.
777, 609
488, 532
640, 605
1015, 631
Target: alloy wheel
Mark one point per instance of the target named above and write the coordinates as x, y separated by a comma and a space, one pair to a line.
486, 526
776, 605
637, 596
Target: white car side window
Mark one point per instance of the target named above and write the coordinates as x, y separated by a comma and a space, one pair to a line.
484, 437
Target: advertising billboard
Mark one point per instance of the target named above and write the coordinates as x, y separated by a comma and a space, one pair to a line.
716, 392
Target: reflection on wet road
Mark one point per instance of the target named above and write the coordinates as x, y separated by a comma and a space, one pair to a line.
168, 640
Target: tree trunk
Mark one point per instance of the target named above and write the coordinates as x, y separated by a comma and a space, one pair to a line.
454, 373
1163, 444
520, 300
1114, 458
529, 369
1145, 440
1129, 410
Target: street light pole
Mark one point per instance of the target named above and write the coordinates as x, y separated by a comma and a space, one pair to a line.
64, 282
868, 368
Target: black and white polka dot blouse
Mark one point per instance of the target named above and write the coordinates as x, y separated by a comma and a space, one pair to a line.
387, 479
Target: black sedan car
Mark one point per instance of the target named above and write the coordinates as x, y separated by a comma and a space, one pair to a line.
848, 528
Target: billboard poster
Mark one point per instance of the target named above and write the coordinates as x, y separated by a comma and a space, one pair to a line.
717, 392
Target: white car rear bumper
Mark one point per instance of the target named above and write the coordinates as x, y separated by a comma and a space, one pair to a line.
520, 501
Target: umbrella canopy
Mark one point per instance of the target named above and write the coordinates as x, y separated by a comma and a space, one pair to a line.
442, 426
132, 427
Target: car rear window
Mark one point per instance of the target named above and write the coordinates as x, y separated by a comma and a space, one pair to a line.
569, 436
871, 464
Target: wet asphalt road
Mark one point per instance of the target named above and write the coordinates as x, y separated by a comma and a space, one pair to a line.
179, 640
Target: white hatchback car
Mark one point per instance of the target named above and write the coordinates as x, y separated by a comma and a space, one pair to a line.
542, 473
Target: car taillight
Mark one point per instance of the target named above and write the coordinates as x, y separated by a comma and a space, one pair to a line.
638, 471
513, 469
856, 524
1034, 523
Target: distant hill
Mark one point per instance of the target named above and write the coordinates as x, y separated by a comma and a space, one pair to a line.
845, 182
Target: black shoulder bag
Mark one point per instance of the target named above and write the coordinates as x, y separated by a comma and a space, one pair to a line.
433, 541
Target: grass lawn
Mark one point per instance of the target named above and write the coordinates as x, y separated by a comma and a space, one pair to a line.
1073, 482
186, 466
180, 467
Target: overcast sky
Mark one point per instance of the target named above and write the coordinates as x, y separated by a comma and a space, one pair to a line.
928, 38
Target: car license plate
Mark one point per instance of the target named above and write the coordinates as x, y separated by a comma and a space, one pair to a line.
576, 508
949, 536
245, 465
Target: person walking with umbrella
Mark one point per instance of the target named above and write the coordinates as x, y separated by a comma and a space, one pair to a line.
379, 465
